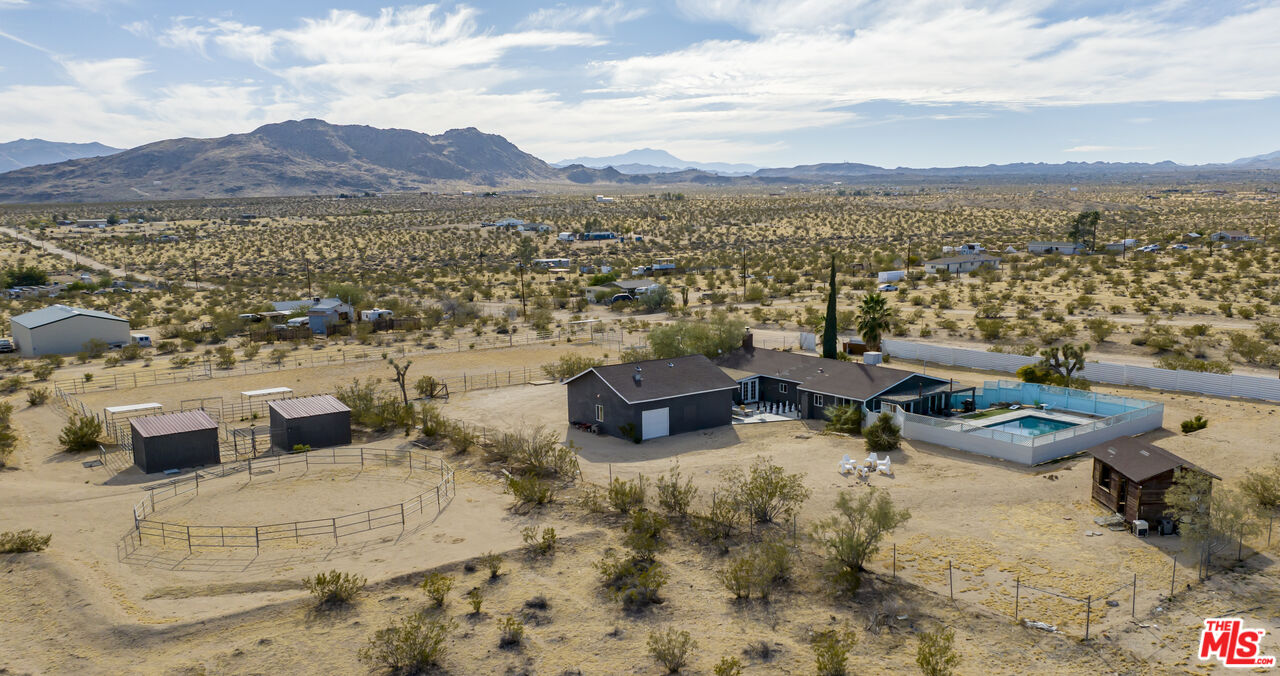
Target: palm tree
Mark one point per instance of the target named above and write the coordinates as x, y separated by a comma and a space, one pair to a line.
874, 319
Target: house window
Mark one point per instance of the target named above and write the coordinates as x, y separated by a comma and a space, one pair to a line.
1104, 478
817, 400
782, 388
599, 413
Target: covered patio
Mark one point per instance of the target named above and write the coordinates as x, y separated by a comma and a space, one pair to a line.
931, 399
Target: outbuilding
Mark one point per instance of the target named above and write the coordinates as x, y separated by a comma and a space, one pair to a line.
61, 329
309, 421
174, 441
1130, 478
961, 263
1065, 248
655, 398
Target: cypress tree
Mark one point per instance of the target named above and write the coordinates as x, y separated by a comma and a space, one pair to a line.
829, 327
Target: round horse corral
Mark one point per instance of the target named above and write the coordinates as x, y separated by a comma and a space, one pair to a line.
324, 498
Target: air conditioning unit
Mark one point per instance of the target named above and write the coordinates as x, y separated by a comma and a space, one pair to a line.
1140, 528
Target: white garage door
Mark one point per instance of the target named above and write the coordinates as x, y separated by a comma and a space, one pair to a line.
655, 423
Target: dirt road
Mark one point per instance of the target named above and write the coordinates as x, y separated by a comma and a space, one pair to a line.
89, 262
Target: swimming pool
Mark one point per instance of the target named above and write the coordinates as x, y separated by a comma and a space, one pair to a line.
1032, 425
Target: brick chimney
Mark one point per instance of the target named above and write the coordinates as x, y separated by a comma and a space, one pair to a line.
748, 342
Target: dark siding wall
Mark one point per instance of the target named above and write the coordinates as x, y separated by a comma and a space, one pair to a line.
589, 390
317, 431
1107, 498
770, 391
176, 451
693, 412
1152, 505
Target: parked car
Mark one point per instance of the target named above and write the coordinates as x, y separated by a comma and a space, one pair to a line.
1181, 247
887, 287
6, 345
620, 297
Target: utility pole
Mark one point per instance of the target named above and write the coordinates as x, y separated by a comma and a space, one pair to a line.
908, 257
523, 309
306, 263
195, 271
744, 274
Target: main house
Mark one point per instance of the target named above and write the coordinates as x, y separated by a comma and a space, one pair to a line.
660, 397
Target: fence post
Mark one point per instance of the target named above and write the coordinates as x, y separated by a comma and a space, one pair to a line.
1088, 611
437, 498
333, 522
402, 516
1017, 595
1133, 609
1173, 575
257, 542
951, 581
895, 560
153, 501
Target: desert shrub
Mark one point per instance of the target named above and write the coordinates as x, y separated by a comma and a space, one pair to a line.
251, 350
882, 435
728, 666
936, 655
1195, 424
437, 587
95, 348
411, 646
301, 448
845, 419
426, 386
22, 541
278, 355
671, 648
831, 651
675, 495
538, 452
853, 535
37, 396
226, 357
111, 360
475, 597
433, 421
634, 582
626, 496
510, 632
539, 543
719, 523
130, 352
766, 493
530, 490
644, 533
461, 437
629, 431
758, 570
570, 365
1182, 362
372, 409
12, 384
334, 588
80, 433
493, 562
42, 371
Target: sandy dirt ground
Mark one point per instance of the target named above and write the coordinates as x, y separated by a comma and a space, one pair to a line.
80, 607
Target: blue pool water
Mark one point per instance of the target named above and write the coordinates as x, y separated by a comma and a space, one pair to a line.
1032, 426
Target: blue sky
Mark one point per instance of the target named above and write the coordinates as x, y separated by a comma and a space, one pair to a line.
770, 82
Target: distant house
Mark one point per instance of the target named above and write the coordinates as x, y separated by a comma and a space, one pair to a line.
508, 223
651, 399
1064, 248
1130, 478
375, 314
1231, 236
603, 199
42, 291
565, 237
591, 236
329, 312
550, 262
91, 223
60, 329
970, 249
958, 264
635, 287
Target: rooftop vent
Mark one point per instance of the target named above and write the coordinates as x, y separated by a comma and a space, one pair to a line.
636, 376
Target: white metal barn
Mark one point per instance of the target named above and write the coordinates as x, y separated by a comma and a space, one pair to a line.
60, 329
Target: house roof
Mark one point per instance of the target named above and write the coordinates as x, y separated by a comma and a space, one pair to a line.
1055, 244
1232, 233
1138, 460
308, 406
980, 258
57, 313
632, 284
854, 380
662, 378
291, 305
173, 423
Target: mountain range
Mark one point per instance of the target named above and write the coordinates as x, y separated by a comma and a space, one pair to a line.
26, 152
650, 161
313, 157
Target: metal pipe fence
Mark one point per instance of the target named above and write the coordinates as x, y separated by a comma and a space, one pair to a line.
431, 501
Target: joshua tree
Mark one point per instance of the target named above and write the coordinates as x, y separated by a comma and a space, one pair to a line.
402, 373
1064, 361
874, 319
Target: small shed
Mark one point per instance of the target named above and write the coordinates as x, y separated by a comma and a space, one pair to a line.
311, 421
174, 441
1130, 477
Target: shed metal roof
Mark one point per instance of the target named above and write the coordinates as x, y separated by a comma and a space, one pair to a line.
308, 406
1138, 460
57, 313
173, 423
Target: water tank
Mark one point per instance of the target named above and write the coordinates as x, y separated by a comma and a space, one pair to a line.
872, 357
1140, 528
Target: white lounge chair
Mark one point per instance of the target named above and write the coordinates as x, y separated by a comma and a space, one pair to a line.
871, 460
864, 472
847, 465
884, 466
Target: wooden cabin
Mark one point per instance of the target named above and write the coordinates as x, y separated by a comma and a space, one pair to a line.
1130, 477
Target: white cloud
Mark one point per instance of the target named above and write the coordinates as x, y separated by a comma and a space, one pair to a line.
183, 35
106, 76
603, 15
7, 4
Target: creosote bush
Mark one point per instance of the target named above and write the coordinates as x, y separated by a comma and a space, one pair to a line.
334, 588
633, 581
936, 655
23, 541
539, 543
671, 648
493, 562
626, 496
475, 597
411, 646
570, 365
831, 651
80, 433
728, 666
437, 586
529, 490
766, 493
510, 632
676, 493
853, 535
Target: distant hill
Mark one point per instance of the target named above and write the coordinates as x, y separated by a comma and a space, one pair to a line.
28, 152
289, 158
651, 161
1267, 161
